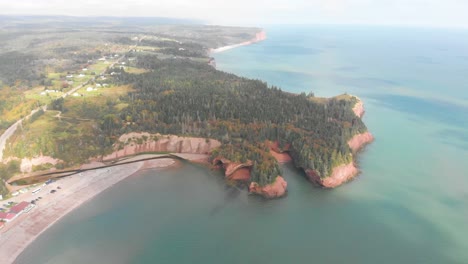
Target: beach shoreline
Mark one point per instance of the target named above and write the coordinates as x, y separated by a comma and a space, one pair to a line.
74, 191
259, 36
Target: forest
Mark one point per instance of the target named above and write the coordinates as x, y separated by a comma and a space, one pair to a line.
174, 91
38, 64
187, 97
180, 96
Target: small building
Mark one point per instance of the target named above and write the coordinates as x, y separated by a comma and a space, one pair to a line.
7, 217
21, 208
76, 94
89, 89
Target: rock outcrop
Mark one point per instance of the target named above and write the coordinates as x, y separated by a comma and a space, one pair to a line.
241, 172
360, 140
340, 175
135, 143
358, 108
273, 190
344, 172
281, 155
234, 170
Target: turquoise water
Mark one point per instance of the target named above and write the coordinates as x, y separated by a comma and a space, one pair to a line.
409, 205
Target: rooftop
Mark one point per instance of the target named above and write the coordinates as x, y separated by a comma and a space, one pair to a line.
19, 207
7, 216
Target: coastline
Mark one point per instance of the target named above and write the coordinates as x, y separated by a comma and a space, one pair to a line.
259, 36
17, 236
75, 190
345, 172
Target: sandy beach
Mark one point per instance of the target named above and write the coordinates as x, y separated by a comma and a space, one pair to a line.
260, 36
74, 191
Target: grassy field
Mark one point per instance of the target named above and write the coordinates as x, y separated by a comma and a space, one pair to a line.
135, 70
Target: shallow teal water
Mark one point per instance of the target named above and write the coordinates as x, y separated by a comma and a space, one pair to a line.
409, 205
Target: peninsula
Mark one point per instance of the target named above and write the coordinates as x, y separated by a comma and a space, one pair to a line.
121, 94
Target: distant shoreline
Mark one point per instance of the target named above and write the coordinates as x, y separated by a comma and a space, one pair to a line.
259, 36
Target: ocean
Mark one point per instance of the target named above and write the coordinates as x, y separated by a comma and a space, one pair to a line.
409, 204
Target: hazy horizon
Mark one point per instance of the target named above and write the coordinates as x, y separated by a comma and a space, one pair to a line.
427, 13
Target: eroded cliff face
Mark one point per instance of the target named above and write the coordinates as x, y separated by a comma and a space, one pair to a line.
358, 108
281, 155
360, 140
274, 190
345, 172
241, 172
135, 143
260, 36
234, 170
340, 175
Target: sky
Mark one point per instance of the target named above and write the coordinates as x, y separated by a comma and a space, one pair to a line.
439, 13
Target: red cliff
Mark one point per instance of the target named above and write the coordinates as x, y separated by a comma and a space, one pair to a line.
234, 170
340, 175
360, 140
358, 108
345, 172
135, 143
281, 155
241, 172
274, 190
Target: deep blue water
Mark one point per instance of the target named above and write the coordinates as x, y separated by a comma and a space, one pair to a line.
409, 205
